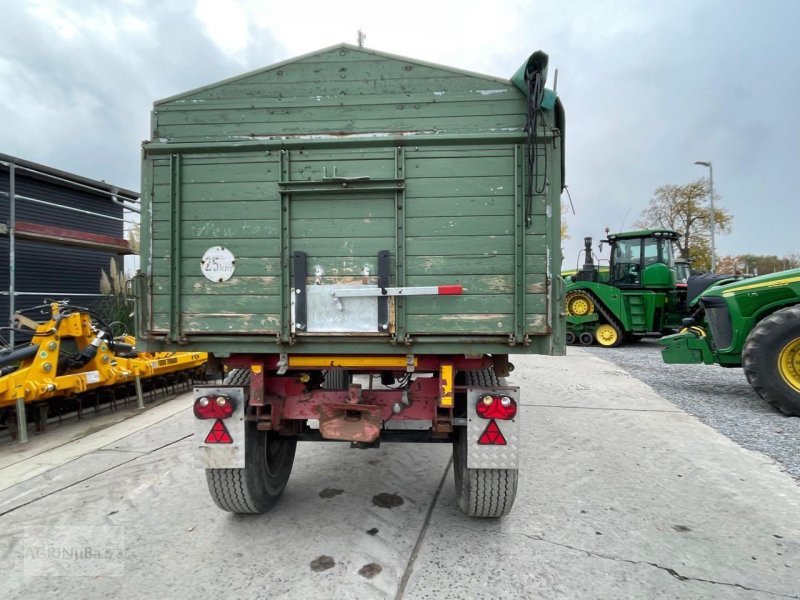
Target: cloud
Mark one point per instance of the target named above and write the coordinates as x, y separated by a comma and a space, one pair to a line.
648, 87
80, 79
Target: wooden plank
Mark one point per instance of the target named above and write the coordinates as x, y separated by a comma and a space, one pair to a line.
336, 267
224, 305
337, 70
338, 102
370, 206
536, 324
266, 286
535, 283
535, 263
221, 229
473, 284
491, 323
256, 209
492, 90
457, 245
245, 267
221, 192
464, 264
463, 167
481, 225
535, 304
341, 247
460, 206
316, 170
448, 187
502, 150
366, 227
266, 248
222, 171
310, 110
535, 244
226, 324
451, 124
449, 305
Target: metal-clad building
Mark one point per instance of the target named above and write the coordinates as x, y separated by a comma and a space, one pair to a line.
63, 229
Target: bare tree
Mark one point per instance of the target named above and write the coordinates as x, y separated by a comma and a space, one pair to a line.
684, 208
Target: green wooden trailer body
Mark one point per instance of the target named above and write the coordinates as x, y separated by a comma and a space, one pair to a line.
341, 155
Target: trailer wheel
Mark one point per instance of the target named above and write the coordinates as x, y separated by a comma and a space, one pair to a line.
771, 359
267, 465
481, 492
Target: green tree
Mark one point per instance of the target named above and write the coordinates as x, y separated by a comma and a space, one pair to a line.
685, 209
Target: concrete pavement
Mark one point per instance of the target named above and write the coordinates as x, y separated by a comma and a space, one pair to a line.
622, 495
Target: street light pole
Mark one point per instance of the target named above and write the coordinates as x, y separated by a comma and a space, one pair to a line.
707, 163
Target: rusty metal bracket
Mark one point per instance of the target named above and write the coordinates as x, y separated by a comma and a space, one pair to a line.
350, 422
283, 363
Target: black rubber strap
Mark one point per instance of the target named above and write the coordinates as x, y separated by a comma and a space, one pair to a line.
383, 283
300, 311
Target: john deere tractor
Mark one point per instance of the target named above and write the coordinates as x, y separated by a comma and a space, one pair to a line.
754, 324
637, 295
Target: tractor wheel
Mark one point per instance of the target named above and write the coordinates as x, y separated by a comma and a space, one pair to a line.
579, 304
570, 338
771, 359
608, 336
267, 465
586, 339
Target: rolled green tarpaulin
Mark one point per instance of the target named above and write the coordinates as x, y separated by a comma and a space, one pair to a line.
536, 62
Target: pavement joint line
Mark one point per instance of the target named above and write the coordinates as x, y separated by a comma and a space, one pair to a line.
654, 410
592, 554
132, 416
401, 588
139, 452
66, 487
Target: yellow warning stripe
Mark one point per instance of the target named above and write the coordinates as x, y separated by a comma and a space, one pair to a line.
778, 282
302, 361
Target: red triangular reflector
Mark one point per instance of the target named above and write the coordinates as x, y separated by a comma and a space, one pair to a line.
219, 434
492, 436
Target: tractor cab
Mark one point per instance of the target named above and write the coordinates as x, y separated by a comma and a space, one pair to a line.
642, 259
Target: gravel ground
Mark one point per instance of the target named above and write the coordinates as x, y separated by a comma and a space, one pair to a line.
721, 398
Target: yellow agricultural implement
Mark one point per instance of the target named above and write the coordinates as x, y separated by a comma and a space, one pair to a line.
73, 354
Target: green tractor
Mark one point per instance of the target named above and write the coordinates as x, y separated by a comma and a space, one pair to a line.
637, 295
753, 323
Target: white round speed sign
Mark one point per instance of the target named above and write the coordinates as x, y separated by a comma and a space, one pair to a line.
218, 264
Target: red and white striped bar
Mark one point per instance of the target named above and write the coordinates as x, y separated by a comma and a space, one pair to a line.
430, 290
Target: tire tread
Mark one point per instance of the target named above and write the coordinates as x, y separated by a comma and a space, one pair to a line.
753, 358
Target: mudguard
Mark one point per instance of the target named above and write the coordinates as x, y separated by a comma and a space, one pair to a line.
222, 456
483, 456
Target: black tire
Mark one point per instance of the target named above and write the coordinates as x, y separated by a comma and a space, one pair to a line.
267, 465
761, 359
486, 493
586, 339
570, 338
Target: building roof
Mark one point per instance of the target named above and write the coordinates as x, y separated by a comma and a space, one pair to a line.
43, 171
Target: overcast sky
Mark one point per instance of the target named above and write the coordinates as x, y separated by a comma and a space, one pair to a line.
649, 87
